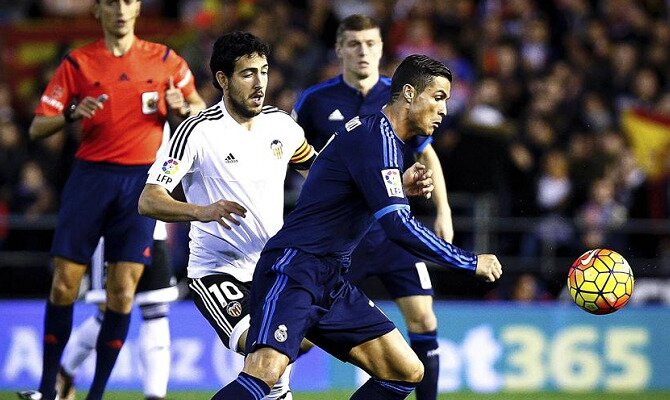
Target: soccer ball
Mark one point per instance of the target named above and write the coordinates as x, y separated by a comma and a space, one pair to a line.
600, 281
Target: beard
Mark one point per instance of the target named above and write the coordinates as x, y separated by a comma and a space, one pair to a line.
241, 109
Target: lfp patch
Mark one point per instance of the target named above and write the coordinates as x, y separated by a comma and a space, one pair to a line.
393, 182
170, 167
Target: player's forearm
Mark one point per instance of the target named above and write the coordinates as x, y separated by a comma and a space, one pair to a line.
155, 202
403, 229
43, 127
439, 195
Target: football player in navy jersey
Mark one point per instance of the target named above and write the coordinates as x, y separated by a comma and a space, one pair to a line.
299, 289
321, 110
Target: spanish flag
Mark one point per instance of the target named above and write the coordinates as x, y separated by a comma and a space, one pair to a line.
649, 135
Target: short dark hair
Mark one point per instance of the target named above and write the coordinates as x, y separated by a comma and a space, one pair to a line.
417, 70
356, 23
229, 48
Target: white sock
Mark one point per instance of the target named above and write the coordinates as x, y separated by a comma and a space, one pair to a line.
81, 344
155, 355
282, 385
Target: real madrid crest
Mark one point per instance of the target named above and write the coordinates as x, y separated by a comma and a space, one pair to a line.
277, 149
281, 334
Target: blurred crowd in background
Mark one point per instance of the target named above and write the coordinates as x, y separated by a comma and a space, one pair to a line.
560, 109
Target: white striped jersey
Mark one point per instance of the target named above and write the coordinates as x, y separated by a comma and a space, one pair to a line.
216, 158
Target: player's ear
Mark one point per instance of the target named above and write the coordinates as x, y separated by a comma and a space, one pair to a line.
222, 79
408, 92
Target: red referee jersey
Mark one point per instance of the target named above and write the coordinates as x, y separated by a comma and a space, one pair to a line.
129, 129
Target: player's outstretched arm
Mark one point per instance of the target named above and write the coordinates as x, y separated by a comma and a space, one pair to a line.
156, 202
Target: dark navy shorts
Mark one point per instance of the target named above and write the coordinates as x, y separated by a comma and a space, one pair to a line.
296, 294
401, 273
101, 200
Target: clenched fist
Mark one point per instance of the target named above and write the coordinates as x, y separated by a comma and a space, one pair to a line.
488, 267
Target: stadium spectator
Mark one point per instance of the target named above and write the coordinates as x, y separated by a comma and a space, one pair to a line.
122, 107
321, 110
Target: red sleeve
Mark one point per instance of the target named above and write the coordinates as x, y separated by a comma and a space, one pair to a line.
182, 75
61, 89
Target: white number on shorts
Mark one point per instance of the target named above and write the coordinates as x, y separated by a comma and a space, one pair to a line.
225, 292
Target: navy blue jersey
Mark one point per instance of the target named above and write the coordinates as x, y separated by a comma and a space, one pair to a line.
355, 180
322, 109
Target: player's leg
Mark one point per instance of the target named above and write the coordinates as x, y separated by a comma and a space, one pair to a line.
83, 338
282, 310
58, 320
122, 279
80, 346
407, 280
154, 293
357, 331
128, 244
422, 328
394, 368
154, 349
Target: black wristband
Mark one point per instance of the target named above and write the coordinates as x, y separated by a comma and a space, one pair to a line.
68, 113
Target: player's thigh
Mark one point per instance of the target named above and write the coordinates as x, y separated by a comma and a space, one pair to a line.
285, 298
388, 357
129, 235
224, 302
418, 313
350, 320
85, 202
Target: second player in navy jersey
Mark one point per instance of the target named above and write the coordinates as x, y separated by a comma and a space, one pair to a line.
299, 289
321, 110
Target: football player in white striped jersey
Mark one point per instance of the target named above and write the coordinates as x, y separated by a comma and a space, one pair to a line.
231, 160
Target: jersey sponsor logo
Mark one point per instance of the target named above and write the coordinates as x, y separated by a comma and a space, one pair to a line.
170, 167
277, 149
393, 182
230, 159
336, 116
352, 123
281, 334
149, 102
234, 309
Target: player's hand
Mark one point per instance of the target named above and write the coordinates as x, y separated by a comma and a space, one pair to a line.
444, 227
418, 181
175, 99
88, 106
220, 211
488, 267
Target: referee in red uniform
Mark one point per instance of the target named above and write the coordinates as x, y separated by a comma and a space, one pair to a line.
120, 88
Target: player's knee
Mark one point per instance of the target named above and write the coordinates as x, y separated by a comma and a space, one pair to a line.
424, 321
120, 299
63, 292
266, 364
413, 372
